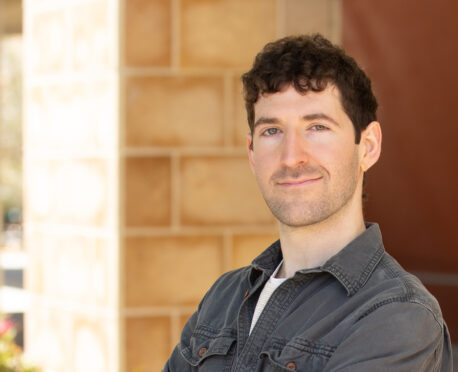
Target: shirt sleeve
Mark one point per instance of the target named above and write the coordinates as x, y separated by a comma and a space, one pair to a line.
176, 363
398, 336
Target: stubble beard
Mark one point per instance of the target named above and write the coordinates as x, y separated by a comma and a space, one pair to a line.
305, 207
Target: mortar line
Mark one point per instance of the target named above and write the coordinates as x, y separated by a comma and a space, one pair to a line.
228, 110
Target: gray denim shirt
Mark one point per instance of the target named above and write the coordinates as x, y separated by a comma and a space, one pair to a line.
360, 311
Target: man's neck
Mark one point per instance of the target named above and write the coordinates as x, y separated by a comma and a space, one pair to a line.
311, 246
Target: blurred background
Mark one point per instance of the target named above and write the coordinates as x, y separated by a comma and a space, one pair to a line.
125, 188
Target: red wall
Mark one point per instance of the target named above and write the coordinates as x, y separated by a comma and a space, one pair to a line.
409, 48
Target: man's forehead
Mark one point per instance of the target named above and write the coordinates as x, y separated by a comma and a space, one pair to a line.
289, 95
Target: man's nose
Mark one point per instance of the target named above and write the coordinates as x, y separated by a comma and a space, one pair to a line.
294, 150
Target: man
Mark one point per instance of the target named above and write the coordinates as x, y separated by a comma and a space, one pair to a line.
326, 296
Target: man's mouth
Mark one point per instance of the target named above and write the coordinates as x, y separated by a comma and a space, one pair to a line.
296, 182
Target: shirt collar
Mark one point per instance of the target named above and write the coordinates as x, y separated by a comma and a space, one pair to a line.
352, 266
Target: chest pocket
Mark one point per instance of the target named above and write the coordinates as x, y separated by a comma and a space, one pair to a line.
296, 355
210, 350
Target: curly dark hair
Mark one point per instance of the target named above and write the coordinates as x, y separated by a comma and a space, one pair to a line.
310, 62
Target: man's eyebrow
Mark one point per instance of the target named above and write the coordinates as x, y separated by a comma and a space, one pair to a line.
320, 115
308, 117
265, 120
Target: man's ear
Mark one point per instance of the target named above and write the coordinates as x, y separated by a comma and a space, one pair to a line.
249, 145
370, 145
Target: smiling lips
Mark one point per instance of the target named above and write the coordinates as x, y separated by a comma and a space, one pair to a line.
298, 182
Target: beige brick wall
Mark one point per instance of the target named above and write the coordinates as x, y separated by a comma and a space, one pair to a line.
161, 111
138, 193
192, 207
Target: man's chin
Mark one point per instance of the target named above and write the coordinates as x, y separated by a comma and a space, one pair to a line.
298, 223
299, 220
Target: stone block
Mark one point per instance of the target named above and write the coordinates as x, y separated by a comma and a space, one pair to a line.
247, 247
225, 33
48, 333
57, 338
147, 32
220, 190
48, 42
94, 344
72, 268
74, 191
148, 343
75, 118
163, 271
92, 36
174, 111
147, 191
309, 16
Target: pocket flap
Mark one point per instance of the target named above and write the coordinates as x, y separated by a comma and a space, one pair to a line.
203, 346
303, 354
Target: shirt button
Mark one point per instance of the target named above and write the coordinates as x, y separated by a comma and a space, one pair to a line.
291, 366
202, 351
247, 292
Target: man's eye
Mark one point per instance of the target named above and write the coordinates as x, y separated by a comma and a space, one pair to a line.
319, 127
270, 132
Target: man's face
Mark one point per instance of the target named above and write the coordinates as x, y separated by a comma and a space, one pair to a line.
304, 155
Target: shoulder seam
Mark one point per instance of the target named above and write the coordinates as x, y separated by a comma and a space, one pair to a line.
399, 299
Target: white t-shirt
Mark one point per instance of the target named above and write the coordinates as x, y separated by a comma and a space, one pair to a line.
271, 285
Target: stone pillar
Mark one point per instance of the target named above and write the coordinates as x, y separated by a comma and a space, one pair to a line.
71, 198
116, 271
